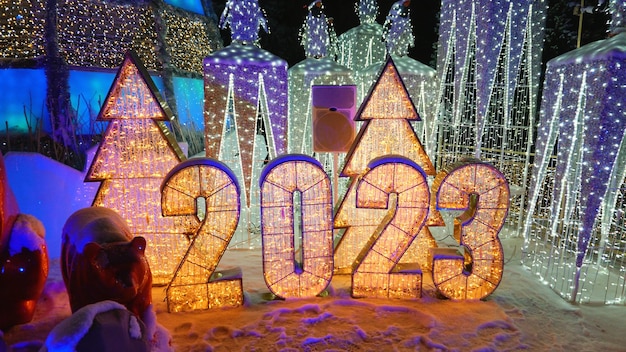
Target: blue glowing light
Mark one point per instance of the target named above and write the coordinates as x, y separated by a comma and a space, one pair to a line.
22, 101
189, 94
88, 89
189, 5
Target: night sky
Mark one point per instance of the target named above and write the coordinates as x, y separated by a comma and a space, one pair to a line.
285, 17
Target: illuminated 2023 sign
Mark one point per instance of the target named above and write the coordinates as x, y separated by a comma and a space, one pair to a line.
293, 182
205, 193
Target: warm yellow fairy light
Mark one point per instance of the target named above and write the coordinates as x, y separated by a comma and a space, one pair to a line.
205, 193
387, 112
23, 28
377, 273
483, 192
188, 39
289, 271
102, 31
136, 152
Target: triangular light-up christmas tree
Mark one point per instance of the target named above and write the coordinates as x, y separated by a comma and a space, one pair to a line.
386, 113
136, 153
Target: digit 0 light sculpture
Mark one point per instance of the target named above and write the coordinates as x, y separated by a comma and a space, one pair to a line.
136, 152
205, 192
386, 112
483, 193
377, 273
289, 274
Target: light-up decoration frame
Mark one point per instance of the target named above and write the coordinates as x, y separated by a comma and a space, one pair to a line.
482, 192
577, 198
280, 180
378, 273
136, 152
362, 46
386, 114
489, 69
205, 192
103, 30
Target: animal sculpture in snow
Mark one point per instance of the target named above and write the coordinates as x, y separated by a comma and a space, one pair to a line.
23, 259
101, 260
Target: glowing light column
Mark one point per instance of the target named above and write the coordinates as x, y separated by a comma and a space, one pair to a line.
362, 46
574, 229
245, 101
489, 65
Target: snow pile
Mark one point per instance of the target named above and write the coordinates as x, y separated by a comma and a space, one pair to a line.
27, 233
522, 314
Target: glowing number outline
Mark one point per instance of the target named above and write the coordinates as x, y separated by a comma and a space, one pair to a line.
280, 178
208, 238
483, 192
371, 278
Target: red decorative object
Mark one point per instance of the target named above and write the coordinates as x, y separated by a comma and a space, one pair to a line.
8, 208
22, 278
23, 259
100, 260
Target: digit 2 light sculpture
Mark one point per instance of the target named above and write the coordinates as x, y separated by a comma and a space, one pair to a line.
206, 194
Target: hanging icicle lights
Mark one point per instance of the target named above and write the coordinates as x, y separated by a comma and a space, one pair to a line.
577, 202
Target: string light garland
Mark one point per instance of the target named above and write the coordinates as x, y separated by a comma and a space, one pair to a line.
489, 60
362, 46
188, 40
104, 31
23, 27
577, 203
205, 193
136, 152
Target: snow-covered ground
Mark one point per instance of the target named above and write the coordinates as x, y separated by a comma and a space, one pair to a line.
522, 314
